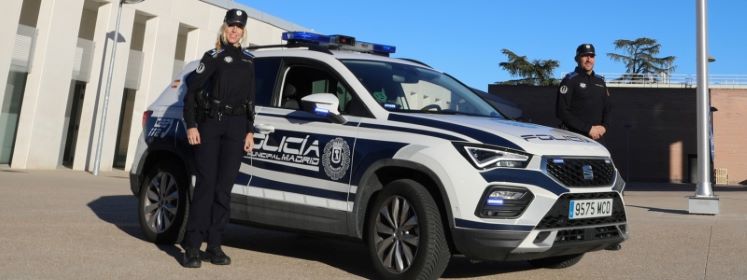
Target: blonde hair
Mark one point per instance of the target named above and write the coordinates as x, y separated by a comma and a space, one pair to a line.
222, 36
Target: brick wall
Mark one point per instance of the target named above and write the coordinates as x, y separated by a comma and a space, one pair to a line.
653, 130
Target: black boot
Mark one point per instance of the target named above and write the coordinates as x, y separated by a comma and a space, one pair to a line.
216, 256
191, 258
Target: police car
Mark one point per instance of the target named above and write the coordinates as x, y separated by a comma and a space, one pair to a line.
351, 142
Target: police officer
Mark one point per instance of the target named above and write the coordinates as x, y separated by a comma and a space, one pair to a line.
219, 113
582, 102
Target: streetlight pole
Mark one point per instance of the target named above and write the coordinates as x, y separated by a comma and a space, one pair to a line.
105, 107
704, 201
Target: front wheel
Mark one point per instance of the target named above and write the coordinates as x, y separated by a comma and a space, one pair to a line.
163, 203
405, 234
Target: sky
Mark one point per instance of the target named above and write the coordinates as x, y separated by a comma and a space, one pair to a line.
465, 38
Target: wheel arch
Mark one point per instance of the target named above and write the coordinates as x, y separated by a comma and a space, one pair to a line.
388, 170
153, 157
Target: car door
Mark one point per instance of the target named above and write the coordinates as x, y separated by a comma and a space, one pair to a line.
301, 162
266, 72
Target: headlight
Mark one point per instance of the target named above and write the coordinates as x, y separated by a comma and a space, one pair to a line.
485, 157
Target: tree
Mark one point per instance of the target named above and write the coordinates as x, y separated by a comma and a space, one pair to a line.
640, 59
536, 72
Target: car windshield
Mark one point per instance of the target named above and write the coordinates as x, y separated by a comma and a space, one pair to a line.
407, 88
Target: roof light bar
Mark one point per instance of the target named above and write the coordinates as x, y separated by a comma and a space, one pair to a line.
342, 42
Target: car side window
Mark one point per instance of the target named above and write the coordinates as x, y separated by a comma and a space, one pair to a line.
302, 80
265, 73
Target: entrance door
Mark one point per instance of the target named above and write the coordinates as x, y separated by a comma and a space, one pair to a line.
123, 133
73, 122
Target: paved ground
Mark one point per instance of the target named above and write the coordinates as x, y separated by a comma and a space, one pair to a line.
72, 225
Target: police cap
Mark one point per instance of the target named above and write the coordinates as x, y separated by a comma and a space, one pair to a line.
585, 49
235, 16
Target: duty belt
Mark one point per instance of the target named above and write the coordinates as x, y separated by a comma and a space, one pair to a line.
218, 110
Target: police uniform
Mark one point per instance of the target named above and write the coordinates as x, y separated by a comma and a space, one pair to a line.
220, 104
583, 99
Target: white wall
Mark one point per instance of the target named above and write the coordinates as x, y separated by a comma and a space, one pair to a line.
39, 136
41, 131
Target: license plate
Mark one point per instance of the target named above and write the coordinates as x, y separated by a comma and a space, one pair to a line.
590, 208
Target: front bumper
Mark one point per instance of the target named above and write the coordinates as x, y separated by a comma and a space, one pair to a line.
554, 235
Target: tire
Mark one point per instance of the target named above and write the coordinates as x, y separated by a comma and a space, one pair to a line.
163, 203
413, 246
557, 262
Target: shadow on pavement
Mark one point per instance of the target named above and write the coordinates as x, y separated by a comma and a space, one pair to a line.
342, 253
118, 210
345, 254
461, 267
121, 211
662, 210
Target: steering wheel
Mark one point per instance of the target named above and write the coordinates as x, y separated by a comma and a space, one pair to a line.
431, 106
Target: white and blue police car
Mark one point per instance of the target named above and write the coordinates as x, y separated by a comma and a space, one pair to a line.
351, 142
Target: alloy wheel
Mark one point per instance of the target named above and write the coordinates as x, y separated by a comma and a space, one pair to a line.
162, 202
397, 234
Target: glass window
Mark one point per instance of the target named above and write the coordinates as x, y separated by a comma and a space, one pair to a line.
265, 72
10, 109
301, 81
407, 88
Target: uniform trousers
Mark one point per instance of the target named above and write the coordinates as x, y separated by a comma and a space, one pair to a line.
217, 161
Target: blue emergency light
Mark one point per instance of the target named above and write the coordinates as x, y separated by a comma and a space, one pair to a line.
492, 201
321, 112
342, 42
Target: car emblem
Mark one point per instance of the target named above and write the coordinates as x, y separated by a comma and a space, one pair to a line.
588, 172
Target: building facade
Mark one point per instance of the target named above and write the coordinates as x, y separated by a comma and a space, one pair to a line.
54, 65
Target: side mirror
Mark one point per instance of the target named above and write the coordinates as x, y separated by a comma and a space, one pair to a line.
324, 105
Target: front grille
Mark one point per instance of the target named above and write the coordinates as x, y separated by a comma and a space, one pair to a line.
581, 172
557, 217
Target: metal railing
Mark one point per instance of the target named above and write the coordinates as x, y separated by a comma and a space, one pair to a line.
672, 80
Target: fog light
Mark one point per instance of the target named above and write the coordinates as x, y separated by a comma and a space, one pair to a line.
504, 202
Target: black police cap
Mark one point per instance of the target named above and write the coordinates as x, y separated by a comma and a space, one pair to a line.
235, 16
585, 49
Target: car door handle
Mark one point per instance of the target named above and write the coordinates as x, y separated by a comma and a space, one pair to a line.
264, 128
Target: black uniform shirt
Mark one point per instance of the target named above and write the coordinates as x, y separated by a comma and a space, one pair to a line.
229, 75
582, 101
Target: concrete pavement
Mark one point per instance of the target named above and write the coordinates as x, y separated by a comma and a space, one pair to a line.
71, 225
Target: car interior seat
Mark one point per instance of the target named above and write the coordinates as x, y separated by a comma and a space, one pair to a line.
289, 100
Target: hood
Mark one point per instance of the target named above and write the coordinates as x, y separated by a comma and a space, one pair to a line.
531, 138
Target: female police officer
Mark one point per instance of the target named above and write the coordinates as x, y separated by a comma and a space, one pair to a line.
219, 113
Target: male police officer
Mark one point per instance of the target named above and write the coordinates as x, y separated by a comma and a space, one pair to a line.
583, 99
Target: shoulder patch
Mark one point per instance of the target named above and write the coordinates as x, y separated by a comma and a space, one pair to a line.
247, 53
214, 52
